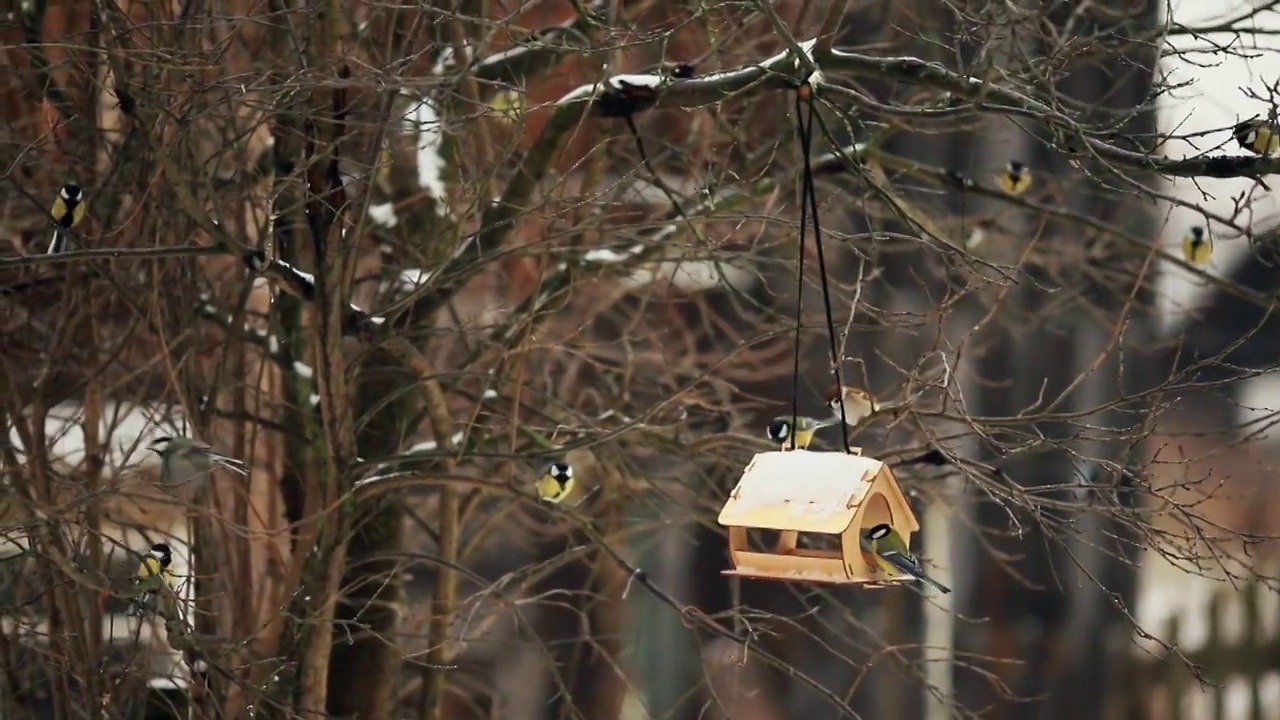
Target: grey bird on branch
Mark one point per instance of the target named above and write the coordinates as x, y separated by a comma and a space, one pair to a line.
185, 464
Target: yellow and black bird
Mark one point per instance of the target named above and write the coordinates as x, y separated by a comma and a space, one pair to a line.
1015, 178
556, 482
152, 573
1258, 136
67, 212
780, 430
892, 556
1197, 246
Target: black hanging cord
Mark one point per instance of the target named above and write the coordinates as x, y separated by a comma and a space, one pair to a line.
809, 207
804, 212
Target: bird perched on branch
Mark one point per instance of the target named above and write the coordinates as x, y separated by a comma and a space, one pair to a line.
780, 430
892, 556
185, 464
1258, 136
153, 573
1197, 246
67, 212
556, 482
858, 403
627, 95
1015, 178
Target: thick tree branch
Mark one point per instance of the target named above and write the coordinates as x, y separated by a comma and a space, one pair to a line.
542, 50
779, 72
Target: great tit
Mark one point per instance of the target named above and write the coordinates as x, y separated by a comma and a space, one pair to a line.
556, 482
892, 556
1258, 136
1197, 246
858, 403
781, 431
67, 212
152, 573
1015, 178
185, 463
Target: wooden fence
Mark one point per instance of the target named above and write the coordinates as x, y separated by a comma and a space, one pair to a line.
1224, 665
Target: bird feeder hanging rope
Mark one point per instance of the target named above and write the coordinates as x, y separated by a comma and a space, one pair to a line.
809, 209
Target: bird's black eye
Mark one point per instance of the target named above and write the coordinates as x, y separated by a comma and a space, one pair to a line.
682, 71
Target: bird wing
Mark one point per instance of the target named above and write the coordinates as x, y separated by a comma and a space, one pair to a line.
910, 566
903, 562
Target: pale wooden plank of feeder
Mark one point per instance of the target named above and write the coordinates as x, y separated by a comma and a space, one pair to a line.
800, 490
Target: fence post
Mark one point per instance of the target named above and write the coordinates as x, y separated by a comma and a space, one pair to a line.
1252, 664
1213, 654
1175, 686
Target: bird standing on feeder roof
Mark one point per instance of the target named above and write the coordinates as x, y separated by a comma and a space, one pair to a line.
858, 403
780, 430
1015, 178
892, 556
1258, 136
1197, 246
556, 482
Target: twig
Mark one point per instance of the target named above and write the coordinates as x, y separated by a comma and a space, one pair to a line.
111, 254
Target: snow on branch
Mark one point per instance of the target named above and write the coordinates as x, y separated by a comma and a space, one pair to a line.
425, 450
777, 72
539, 51
302, 285
424, 119
780, 72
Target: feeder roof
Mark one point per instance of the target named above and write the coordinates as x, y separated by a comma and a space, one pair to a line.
801, 490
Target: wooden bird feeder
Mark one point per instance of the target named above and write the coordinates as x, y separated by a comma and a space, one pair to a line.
822, 493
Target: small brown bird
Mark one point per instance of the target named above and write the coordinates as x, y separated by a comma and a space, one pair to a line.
858, 403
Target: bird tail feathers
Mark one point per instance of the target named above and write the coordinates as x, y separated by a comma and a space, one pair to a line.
58, 243
229, 463
140, 605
